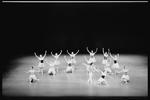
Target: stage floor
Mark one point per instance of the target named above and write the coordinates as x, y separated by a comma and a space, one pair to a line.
15, 82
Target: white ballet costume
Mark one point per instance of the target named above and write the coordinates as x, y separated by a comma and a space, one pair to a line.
125, 78
92, 58
41, 63
105, 59
32, 76
51, 71
115, 64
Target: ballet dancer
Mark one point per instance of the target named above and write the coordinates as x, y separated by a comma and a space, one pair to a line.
115, 64
90, 70
106, 67
92, 53
41, 63
51, 70
102, 80
70, 67
105, 56
72, 55
32, 77
125, 77
56, 56
89, 62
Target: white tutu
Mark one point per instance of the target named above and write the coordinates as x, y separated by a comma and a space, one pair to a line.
108, 69
125, 77
115, 66
68, 69
41, 65
32, 77
73, 61
104, 61
57, 62
100, 80
52, 70
92, 59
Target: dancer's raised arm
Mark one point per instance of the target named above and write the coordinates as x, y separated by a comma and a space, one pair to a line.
60, 53
96, 50
68, 52
95, 69
85, 59
77, 52
108, 51
103, 50
88, 49
52, 54
47, 61
36, 55
112, 56
45, 54
118, 55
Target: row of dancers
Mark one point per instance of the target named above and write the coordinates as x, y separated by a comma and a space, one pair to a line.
90, 67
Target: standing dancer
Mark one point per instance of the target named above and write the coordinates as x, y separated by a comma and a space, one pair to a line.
51, 70
41, 63
102, 80
91, 69
72, 55
70, 67
92, 53
115, 64
32, 77
105, 56
56, 56
125, 77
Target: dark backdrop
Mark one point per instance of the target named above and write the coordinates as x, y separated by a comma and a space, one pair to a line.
29, 28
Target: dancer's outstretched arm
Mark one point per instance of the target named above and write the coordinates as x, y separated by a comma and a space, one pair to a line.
109, 76
112, 56
108, 51
77, 52
88, 50
103, 50
96, 50
118, 55
36, 55
68, 52
85, 64
60, 53
45, 54
52, 54
85, 59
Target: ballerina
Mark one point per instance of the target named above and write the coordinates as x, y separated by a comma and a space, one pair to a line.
32, 77
102, 80
92, 53
70, 67
41, 63
106, 67
125, 77
56, 56
51, 70
115, 64
105, 56
90, 70
72, 55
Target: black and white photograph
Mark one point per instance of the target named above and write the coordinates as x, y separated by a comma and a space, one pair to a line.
73, 49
